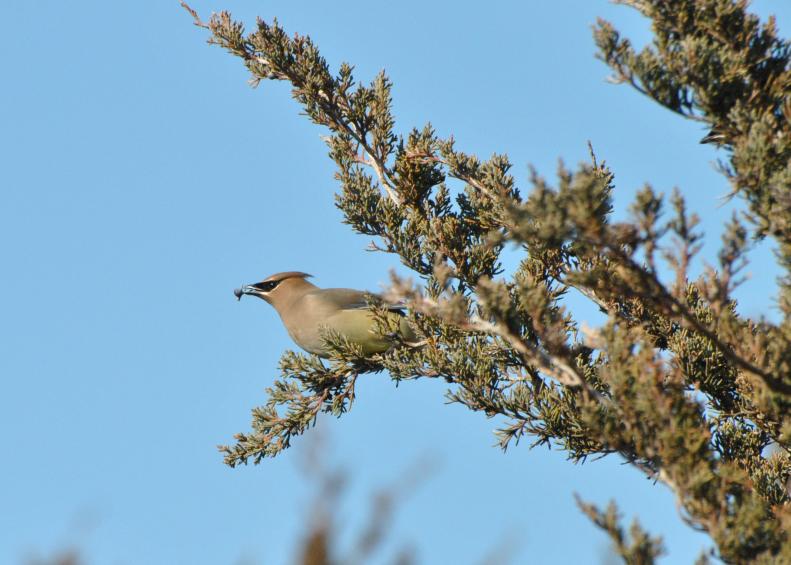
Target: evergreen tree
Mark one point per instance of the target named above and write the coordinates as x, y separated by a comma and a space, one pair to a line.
676, 382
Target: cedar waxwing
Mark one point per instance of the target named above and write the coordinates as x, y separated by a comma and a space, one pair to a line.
307, 310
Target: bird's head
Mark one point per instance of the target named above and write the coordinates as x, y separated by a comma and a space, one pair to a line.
277, 289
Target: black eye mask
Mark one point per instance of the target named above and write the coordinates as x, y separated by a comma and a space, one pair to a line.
266, 286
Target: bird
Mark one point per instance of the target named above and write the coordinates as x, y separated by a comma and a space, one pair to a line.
308, 311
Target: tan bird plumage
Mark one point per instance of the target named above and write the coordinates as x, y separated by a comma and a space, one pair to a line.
307, 311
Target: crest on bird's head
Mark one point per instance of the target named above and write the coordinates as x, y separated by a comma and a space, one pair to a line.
265, 287
286, 275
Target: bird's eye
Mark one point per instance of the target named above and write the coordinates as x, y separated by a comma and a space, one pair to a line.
266, 286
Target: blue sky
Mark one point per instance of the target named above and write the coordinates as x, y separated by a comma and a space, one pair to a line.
143, 180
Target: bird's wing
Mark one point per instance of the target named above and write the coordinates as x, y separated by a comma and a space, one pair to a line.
349, 299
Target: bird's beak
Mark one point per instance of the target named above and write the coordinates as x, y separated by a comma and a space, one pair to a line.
245, 289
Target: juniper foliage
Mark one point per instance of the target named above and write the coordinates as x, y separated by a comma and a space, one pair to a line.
676, 382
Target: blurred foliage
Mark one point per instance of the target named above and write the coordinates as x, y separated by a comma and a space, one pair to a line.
320, 542
65, 557
676, 382
328, 536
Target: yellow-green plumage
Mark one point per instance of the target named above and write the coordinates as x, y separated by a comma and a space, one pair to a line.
308, 312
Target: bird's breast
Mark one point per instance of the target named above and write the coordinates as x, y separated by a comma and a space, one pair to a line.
308, 321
